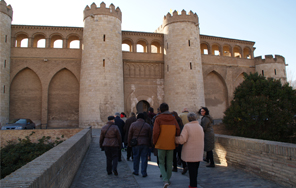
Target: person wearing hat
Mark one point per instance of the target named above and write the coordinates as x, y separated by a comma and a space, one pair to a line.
110, 142
142, 132
120, 123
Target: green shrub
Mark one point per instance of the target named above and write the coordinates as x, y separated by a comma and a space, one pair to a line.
263, 109
17, 154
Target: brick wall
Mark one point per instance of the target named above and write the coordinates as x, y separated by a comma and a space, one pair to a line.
13, 135
275, 161
55, 168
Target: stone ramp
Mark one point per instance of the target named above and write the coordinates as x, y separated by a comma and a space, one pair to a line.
92, 173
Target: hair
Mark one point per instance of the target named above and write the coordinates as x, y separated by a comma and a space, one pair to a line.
151, 110
117, 114
205, 109
141, 115
191, 116
133, 114
163, 107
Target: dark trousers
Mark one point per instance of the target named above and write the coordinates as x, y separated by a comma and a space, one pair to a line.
119, 153
129, 152
112, 158
193, 172
210, 157
175, 160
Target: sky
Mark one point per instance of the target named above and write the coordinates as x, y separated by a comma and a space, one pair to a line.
271, 24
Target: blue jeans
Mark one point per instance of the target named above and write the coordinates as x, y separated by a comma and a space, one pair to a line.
140, 152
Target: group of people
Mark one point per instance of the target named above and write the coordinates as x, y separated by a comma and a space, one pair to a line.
169, 136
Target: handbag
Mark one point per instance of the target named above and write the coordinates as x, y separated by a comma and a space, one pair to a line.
102, 148
134, 141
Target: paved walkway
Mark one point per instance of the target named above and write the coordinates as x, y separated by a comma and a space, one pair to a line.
92, 174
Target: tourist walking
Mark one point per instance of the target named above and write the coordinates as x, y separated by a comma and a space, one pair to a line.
207, 125
141, 131
192, 138
120, 123
184, 115
164, 131
110, 142
126, 128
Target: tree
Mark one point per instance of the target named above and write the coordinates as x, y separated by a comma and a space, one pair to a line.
263, 109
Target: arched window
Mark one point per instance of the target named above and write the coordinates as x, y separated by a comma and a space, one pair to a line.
215, 50
39, 41
142, 47
204, 48
247, 53
56, 41
127, 46
237, 52
155, 47
226, 51
21, 41
73, 42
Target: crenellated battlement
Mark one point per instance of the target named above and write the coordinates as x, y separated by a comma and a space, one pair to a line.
269, 59
6, 9
102, 10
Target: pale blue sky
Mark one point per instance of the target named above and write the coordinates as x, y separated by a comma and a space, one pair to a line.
269, 23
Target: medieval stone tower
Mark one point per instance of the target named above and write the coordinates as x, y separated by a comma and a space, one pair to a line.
5, 46
183, 85
101, 82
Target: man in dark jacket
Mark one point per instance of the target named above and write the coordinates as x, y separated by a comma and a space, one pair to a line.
165, 129
110, 141
120, 123
126, 128
142, 131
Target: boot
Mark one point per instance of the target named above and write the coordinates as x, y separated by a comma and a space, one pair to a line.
184, 170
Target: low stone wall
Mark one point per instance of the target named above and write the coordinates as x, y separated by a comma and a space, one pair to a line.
55, 168
275, 161
13, 135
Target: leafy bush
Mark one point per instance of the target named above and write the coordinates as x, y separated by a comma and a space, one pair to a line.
263, 109
15, 155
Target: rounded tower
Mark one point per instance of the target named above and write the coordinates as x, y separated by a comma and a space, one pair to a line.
5, 45
271, 67
101, 78
183, 76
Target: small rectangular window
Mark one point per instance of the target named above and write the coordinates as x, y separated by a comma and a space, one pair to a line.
103, 62
4, 89
4, 63
190, 66
274, 71
262, 72
188, 42
104, 38
167, 68
167, 45
6, 38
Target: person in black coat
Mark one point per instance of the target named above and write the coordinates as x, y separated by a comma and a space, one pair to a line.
120, 123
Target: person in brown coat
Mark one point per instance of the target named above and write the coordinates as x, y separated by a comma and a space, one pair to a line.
126, 128
192, 138
110, 142
142, 131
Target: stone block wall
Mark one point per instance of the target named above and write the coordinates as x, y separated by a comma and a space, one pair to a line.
55, 168
275, 161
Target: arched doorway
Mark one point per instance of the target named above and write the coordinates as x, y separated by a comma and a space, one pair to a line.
142, 106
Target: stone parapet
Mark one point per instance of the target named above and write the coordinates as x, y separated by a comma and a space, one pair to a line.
102, 10
272, 160
6, 9
55, 168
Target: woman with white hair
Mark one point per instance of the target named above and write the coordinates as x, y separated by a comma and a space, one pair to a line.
192, 138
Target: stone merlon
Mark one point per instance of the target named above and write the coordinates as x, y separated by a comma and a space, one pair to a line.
102, 10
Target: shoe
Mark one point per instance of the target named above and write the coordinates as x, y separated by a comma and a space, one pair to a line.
206, 160
115, 172
149, 158
135, 174
160, 176
119, 160
211, 165
166, 185
184, 170
191, 187
109, 173
128, 159
175, 170
145, 175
